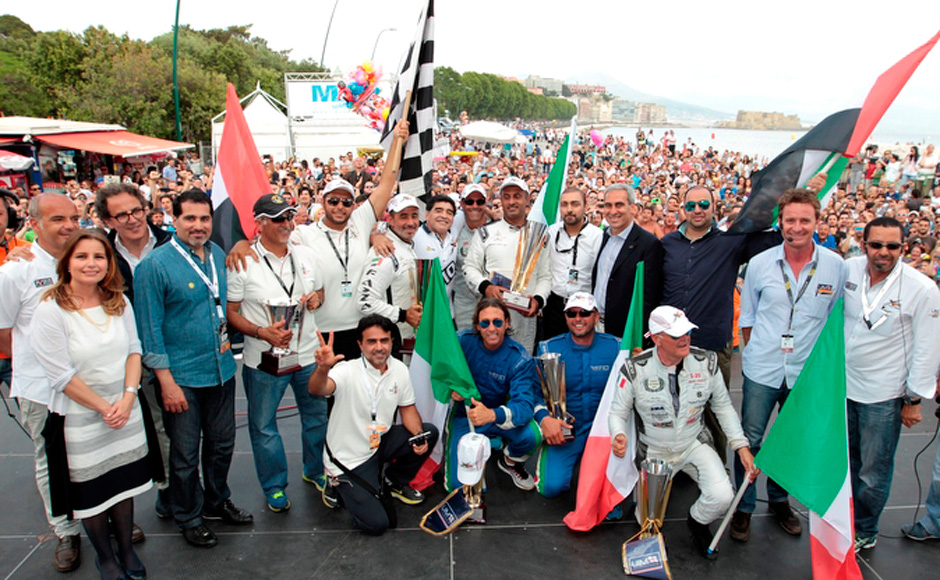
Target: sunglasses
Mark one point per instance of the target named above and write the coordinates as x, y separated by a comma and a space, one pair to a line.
475, 201
892, 246
579, 313
704, 204
347, 202
497, 322
282, 218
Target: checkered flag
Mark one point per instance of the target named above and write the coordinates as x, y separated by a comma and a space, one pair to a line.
417, 76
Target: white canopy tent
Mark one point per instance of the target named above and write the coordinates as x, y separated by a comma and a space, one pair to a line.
267, 120
490, 132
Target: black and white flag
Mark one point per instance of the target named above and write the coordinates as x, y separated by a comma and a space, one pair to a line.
417, 76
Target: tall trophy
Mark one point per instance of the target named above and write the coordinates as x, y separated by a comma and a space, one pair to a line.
531, 241
552, 376
644, 554
280, 360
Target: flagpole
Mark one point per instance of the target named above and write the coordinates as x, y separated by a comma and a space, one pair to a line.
393, 163
727, 518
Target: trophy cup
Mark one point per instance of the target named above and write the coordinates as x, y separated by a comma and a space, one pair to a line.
279, 360
644, 554
531, 241
552, 376
464, 504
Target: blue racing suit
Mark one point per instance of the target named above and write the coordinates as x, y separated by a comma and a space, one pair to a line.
586, 371
508, 384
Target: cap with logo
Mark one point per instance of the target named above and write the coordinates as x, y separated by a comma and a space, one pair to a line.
271, 206
582, 300
339, 184
472, 452
471, 189
513, 181
670, 320
400, 202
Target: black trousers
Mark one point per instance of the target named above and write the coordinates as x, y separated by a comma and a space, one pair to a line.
553, 317
400, 463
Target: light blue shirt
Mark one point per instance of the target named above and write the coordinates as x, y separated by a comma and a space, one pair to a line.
765, 308
605, 264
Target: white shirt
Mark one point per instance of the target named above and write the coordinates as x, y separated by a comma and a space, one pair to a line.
605, 265
392, 277
256, 283
900, 351
22, 285
358, 385
765, 309
572, 257
493, 250
133, 260
339, 312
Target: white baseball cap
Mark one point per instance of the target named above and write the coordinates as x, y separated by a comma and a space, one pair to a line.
670, 320
472, 188
583, 300
401, 202
472, 452
513, 181
341, 184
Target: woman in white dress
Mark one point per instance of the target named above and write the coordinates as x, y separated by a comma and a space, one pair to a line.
85, 338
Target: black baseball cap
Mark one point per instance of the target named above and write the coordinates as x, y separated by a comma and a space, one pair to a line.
271, 206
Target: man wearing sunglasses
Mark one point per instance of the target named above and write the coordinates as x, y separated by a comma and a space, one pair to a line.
892, 321
668, 386
285, 273
473, 209
588, 356
788, 294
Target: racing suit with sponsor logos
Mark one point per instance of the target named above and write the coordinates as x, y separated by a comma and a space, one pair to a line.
669, 410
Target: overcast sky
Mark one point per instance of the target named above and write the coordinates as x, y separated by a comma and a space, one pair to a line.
810, 57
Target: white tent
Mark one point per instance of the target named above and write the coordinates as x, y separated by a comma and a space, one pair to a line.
267, 121
490, 132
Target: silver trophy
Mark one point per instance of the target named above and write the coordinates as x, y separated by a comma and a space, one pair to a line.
552, 376
531, 241
645, 553
280, 360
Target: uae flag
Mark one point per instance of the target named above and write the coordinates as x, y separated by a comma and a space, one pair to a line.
438, 368
606, 479
826, 148
545, 208
239, 178
813, 464
417, 76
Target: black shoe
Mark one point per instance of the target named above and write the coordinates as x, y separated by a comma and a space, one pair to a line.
330, 497
200, 537
517, 472
701, 538
405, 493
741, 526
785, 517
228, 513
162, 505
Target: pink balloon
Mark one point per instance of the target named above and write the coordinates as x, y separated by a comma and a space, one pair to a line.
597, 138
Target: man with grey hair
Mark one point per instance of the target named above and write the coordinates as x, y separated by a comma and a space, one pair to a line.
624, 246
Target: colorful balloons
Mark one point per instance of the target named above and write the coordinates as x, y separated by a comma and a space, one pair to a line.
597, 138
363, 94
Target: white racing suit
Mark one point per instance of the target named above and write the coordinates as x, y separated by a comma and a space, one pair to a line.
387, 285
493, 250
670, 424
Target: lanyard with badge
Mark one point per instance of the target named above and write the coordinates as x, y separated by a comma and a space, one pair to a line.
868, 308
213, 286
786, 340
287, 290
573, 270
374, 428
345, 285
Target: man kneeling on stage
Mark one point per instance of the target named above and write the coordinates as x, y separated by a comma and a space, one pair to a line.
669, 386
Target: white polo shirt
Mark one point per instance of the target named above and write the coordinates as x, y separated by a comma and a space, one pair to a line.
360, 388
339, 312
572, 257
22, 284
900, 351
258, 282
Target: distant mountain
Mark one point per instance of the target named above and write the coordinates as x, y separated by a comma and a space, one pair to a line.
676, 111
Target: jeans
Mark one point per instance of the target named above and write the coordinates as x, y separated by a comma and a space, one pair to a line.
264, 392
33, 415
874, 431
6, 372
210, 417
756, 408
931, 521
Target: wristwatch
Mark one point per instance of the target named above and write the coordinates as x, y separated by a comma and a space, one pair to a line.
910, 401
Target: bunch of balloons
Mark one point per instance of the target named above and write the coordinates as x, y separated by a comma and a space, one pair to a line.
362, 95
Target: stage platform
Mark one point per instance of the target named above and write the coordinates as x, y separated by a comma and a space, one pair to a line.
525, 537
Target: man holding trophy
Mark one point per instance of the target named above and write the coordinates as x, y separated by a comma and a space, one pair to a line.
499, 265
668, 386
271, 302
585, 360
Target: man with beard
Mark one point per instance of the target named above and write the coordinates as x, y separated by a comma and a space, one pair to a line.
573, 244
362, 439
472, 204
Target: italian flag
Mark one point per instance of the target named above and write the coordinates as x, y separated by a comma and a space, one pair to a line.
606, 479
438, 367
239, 178
545, 208
813, 463
826, 148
